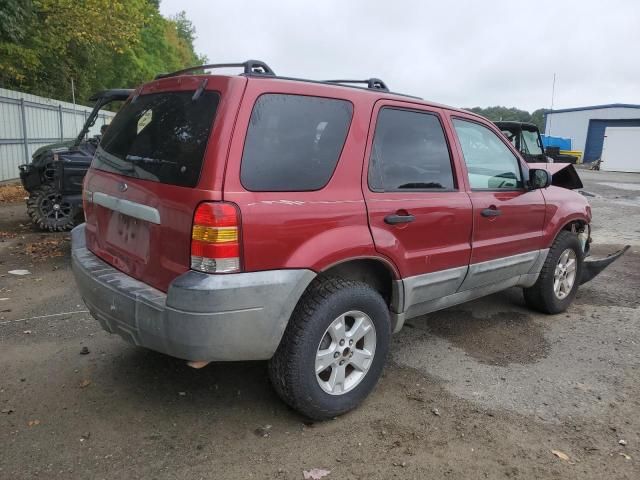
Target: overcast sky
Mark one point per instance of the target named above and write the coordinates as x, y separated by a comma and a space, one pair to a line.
458, 52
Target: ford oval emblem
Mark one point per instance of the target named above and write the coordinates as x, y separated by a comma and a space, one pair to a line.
123, 187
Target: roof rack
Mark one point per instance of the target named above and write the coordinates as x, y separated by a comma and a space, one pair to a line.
257, 68
373, 83
251, 67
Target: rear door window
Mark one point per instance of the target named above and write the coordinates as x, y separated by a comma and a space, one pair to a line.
160, 137
409, 152
293, 142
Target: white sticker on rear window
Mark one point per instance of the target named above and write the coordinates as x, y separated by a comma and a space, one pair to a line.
144, 120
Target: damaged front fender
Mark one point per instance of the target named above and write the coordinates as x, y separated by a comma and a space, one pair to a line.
562, 174
593, 267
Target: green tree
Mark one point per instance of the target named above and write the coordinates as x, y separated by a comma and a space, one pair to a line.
498, 113
97, 43
537, 117
13, 15
186, 30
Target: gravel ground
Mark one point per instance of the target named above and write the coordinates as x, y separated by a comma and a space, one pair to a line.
486, 389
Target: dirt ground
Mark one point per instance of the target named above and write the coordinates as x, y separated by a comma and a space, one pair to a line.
487, 389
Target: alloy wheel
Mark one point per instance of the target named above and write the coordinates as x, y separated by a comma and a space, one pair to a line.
565, 274
345, 352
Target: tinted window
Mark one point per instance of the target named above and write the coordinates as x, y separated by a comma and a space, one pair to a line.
490, 163
293, 142
160, 137
409, 152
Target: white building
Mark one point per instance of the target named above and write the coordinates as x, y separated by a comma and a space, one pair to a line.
586, 126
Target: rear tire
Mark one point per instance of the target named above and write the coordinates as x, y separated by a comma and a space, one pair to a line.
559, 278
48, 209
334, 348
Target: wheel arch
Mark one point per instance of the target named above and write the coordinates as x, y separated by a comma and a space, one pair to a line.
572, 223
377, 272
574, 226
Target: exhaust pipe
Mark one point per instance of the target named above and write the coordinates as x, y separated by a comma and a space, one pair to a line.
198, 364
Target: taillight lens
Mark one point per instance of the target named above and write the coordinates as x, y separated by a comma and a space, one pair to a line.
215, 245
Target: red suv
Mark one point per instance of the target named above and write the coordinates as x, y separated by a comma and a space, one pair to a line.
256, 217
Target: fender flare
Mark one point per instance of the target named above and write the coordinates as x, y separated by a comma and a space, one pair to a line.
561, 224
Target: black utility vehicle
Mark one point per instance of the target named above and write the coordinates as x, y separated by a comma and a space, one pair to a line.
54, 176
527, 140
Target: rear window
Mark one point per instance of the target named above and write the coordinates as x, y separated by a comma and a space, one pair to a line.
160, 137
293, 142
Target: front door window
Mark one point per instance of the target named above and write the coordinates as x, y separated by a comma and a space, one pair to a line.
490, 163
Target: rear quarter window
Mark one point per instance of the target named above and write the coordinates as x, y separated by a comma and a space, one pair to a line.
160, 137
293, 142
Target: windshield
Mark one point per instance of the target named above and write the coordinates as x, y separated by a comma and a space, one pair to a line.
160, 137
531, 143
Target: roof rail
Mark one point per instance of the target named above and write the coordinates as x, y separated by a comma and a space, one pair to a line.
373, 83
257, 68
251, 67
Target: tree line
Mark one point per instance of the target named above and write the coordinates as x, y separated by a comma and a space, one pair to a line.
512, 114
100, 44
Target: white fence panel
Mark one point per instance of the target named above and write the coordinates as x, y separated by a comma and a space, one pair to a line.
28, 122
10, 125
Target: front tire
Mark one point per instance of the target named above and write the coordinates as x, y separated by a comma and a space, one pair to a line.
559, 278
333, 350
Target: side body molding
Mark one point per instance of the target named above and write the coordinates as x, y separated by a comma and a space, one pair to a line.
422, 289
435, 291
493, 271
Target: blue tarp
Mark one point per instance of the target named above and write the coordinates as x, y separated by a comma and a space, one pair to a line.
562, 143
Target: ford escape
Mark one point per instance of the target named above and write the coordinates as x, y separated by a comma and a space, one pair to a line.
257, 217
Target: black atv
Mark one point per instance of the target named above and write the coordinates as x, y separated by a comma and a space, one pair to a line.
54, 176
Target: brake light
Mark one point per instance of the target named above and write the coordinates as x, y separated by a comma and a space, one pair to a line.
215, 245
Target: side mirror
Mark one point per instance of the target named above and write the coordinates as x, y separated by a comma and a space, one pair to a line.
539, 178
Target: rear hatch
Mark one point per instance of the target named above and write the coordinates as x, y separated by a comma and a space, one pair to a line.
163, 154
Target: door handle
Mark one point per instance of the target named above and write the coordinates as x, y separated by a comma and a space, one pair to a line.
491, 212
396, 219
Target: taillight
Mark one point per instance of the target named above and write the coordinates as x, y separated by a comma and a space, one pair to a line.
215, 245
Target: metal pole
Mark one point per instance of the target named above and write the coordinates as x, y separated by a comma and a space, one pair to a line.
553, 92
24, 131
61, 125
73, 97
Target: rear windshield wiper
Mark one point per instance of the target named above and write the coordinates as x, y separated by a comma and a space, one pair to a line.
149, 160
117, 166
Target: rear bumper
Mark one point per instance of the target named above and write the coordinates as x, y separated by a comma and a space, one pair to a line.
201, 317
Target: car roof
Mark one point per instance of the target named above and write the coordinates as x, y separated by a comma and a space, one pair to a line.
353, 90
256, 70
